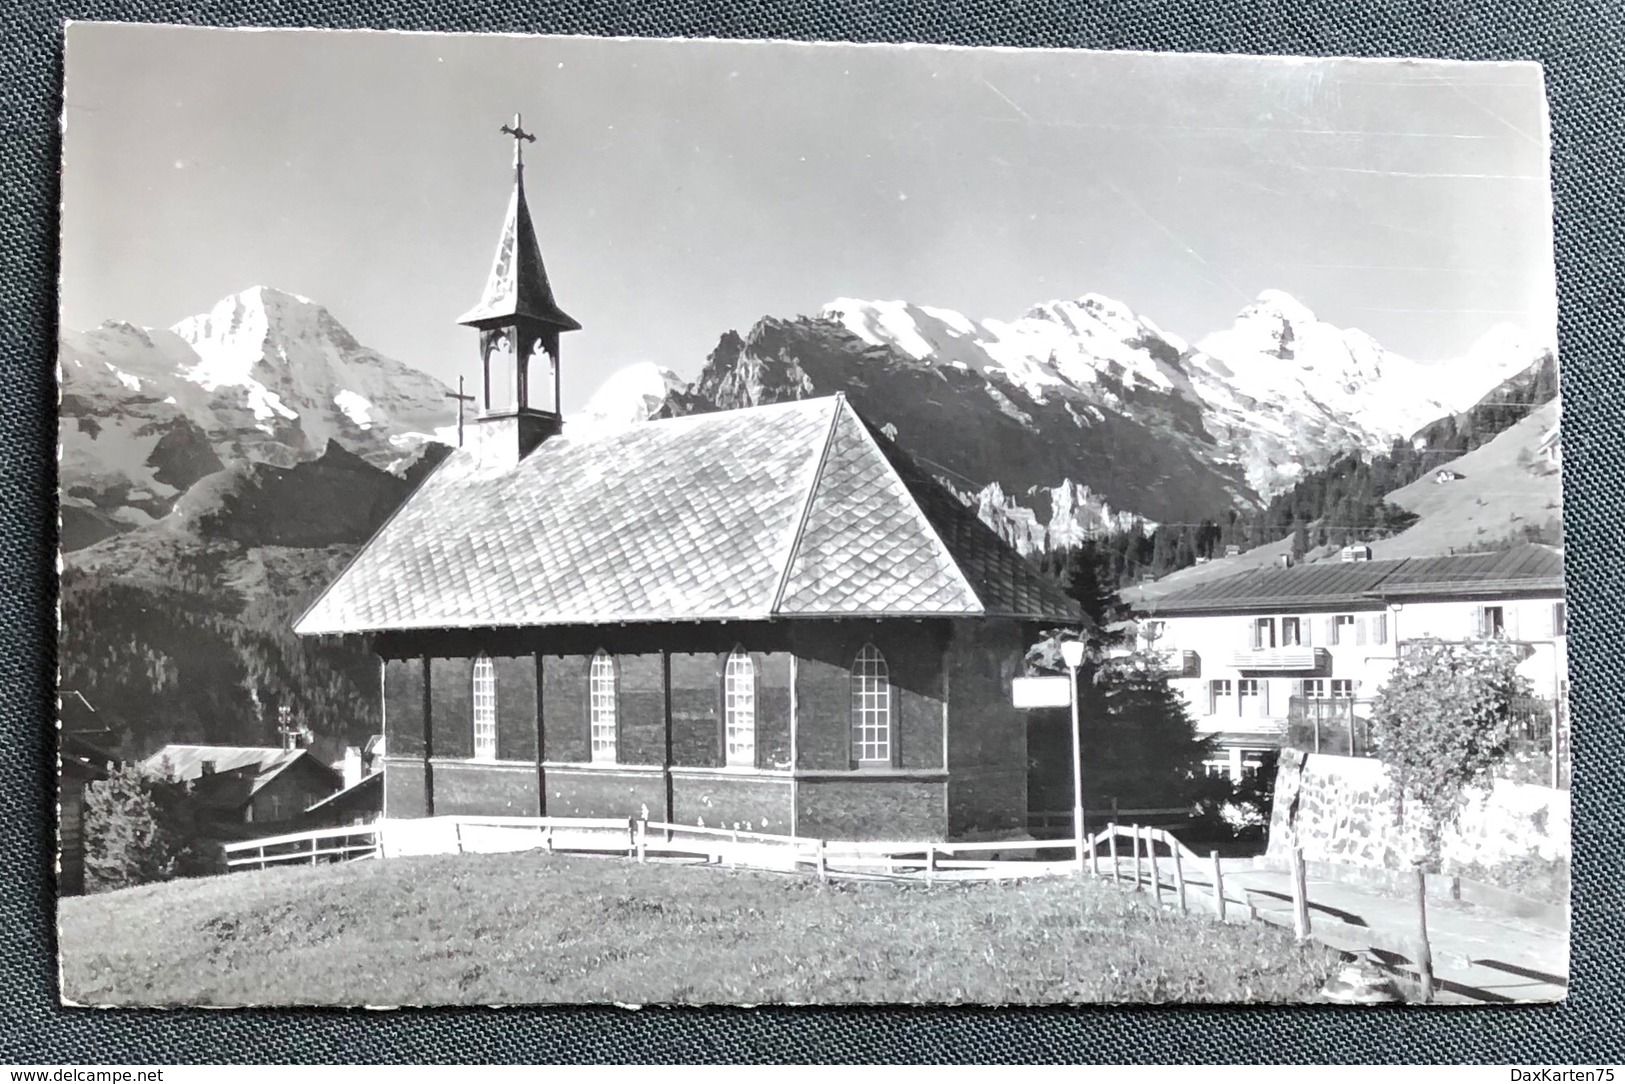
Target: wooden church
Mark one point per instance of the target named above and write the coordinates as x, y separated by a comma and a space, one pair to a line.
768, 616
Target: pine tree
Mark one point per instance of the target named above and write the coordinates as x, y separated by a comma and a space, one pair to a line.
1140, 745
1300, 538
139, 829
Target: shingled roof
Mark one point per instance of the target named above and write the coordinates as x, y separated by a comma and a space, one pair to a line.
518, 283
785, 511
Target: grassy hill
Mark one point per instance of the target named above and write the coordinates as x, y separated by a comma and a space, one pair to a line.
1504, 488
534, 928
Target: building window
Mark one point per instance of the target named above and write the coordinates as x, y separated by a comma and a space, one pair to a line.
1263, 633
1314, 688
485, 709
1291, 632
601, 696
1343, 688
1152, 633
871, 708
739, 709
1492, 621
1560, 619
1379, 629
1219, 697
1251, 699
1343, 629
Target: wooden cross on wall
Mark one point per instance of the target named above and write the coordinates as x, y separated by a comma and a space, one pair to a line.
461, 399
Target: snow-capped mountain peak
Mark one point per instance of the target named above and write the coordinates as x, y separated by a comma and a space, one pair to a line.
263, 375
631, 395
1281, 390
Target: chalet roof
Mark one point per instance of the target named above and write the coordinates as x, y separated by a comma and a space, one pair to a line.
1522, 569
790, 510
518, 285
1525, 568
239, 772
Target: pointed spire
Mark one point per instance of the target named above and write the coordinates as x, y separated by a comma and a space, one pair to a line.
518, 285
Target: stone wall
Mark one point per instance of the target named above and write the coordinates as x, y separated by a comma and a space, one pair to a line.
1345, 810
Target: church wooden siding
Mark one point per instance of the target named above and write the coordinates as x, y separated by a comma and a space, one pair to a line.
566, 736
958, 748
987, 735
696, 710
518, 719
640, 694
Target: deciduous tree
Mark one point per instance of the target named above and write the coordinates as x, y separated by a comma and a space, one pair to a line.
1442, 721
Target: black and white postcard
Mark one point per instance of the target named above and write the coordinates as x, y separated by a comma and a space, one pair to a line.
567, 520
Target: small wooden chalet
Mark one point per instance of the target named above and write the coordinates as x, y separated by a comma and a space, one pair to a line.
240, 790
768, 617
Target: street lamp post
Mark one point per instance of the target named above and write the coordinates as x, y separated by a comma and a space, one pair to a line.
1072, 655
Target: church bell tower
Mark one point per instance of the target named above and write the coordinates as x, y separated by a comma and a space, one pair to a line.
519, 325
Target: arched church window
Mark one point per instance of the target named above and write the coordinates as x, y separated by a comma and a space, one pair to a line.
739, 709
485, 709
601, 696
871, 707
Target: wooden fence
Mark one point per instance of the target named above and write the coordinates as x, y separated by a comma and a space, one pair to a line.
305, 848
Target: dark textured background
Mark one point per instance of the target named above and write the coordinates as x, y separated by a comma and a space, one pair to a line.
1580, 43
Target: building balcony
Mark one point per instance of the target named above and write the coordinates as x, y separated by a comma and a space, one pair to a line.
1180, 664
1293, 660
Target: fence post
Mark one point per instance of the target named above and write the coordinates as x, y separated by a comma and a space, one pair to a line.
823, 865
1136, 838
1300, 896
643, 840
457, 827
1179, 873
631, 838
313, 850
1218, 886
1156, 867
930, 861
1424, 951
547, 838
1111, 848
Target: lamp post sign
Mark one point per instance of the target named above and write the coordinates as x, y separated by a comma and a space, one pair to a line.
1060, 692
1041, 692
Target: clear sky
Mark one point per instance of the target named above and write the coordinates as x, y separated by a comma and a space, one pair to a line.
685, 188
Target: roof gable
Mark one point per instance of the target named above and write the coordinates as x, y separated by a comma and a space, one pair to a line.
867, 546
784, 510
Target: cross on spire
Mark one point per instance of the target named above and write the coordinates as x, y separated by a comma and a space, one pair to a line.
461, 399
520, 138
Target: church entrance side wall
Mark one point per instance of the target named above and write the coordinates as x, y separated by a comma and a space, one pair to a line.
670, 748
